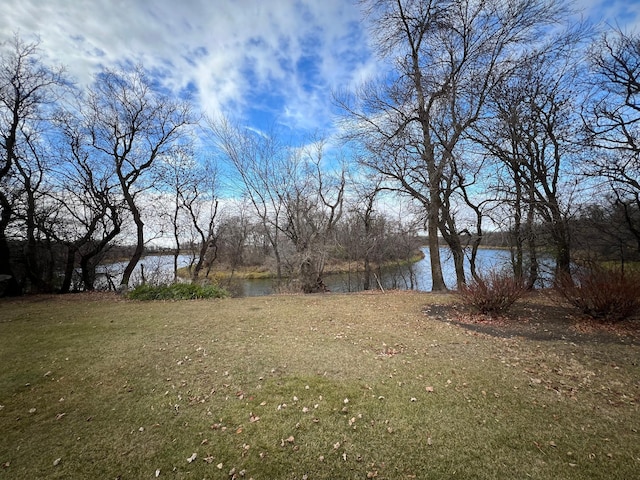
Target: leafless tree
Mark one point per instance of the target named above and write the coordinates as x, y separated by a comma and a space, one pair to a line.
27, 89
201, 203
447, 58
532, 130
313, 203
190, 186
257, 160
612, 118
131, 126
363, 238
89, 211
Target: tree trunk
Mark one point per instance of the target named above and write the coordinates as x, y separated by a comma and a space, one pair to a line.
68, 270
12, 286
139, 250
438, 284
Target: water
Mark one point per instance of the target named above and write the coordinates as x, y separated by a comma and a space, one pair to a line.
418, 275
159, 269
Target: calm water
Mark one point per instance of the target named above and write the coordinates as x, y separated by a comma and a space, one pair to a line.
414, 277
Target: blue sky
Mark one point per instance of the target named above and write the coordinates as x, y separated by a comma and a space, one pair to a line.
262, 62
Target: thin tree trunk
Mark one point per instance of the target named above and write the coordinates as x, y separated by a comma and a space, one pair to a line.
139, 250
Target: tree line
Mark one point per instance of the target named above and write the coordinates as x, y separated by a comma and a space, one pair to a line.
88, 172
498, 121
505, 113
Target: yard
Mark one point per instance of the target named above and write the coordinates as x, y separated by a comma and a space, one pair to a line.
389, 386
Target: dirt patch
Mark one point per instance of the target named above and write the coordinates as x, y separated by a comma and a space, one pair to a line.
540, 318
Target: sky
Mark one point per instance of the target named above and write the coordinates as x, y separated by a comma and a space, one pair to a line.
261, 62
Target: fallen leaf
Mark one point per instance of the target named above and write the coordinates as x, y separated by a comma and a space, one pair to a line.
429, 389
219, 466
208, 459
57, 461
157, 473
192, 457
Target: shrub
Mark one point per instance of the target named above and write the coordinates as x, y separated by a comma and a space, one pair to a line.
608, 295
492, 294
176, 291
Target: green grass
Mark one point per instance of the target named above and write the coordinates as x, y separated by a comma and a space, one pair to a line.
330, 386
176, 291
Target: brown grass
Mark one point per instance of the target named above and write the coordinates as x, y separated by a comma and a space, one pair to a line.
322, 386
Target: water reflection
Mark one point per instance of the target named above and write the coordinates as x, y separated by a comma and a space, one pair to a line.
417, 276
403, 277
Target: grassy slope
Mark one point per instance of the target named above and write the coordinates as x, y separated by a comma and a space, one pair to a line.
333, 386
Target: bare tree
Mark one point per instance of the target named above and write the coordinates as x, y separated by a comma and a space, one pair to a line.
190, 186
612, 117
27, 88
363, 236
313, 205
448, 57
201, 203
131, 126
532, 131
257, 160
85, 194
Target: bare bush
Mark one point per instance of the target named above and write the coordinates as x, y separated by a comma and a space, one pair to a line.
492, 294
608, 295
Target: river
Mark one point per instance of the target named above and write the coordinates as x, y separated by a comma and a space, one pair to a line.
158, 268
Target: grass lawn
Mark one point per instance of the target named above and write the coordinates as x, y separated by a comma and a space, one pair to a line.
319, 387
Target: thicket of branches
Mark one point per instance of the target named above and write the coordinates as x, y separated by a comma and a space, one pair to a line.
501, 121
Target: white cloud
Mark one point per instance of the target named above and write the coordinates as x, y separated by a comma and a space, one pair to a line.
283, 57
229, 51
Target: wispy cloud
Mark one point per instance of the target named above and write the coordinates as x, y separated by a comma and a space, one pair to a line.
280, 57
262, 61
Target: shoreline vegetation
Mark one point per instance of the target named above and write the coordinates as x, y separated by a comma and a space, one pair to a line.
224, 272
